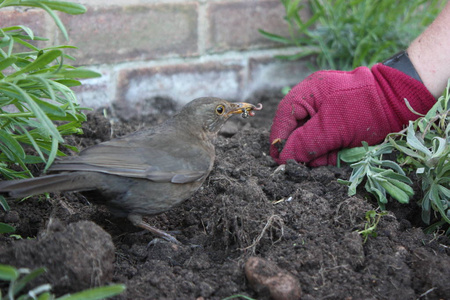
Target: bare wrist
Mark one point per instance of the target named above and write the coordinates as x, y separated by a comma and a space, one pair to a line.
429, 53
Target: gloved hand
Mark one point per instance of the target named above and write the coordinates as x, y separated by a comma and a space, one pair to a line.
332, 110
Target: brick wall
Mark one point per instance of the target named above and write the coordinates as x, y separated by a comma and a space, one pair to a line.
171, 48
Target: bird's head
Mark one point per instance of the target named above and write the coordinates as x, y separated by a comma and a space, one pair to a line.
209, 113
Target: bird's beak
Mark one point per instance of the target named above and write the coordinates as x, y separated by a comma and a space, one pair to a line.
246, 109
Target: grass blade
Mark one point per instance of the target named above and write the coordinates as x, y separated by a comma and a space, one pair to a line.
8, 273
20, 284
275, 37
96, 293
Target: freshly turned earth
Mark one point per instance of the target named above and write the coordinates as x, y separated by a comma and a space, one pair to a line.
296, 218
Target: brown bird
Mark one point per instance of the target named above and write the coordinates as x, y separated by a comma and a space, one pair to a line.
147, 172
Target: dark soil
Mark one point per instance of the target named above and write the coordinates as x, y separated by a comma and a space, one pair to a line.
299, 219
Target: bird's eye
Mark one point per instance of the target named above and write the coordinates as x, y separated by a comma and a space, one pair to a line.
220, 109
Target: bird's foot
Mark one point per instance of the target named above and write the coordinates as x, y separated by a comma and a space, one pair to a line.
137, 221
159, 233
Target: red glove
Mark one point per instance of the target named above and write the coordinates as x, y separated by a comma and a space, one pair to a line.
332, 110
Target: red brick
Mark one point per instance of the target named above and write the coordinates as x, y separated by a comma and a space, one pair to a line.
181, 83
116, 34
234, 25
266, 73
96, 92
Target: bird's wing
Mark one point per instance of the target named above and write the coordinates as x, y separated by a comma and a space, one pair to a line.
153, 158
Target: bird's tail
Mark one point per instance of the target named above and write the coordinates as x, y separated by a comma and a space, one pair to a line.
64, 182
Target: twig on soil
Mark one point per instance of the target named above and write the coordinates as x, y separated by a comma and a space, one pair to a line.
288, 199
272, 219
222, 177
280, 168
426, 293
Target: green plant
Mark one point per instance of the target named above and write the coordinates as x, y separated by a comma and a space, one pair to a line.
347, 34
382, 176
370, 227
19, 278
5, 228
238, 297
37, 106
423, 147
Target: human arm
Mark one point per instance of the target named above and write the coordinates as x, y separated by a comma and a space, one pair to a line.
429, 53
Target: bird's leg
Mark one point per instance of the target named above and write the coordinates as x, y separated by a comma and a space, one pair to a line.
137, 221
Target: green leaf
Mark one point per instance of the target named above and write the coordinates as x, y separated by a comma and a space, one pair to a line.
33, 159
397, 193
45, 296
393, 165
414, 142
275, 37
381, 149
440, 145
52, 155
31, 140
26, 29
68, 82
20, 284
436, 200
55, 17
285, 90
300, 55
17, 92
9, 154
79, 73
405, 150
4, 204
66, 7
426, 206
407, 189
444, 167
292, 7
12, 144
49, 109
96, 293
27, 45
390, 174
435, 227
8, 273
411, 108
40, 62
375, 188
4, 63
70, 128
444, 191
5, 228
11, 174
356, 178
358, 173
351, 155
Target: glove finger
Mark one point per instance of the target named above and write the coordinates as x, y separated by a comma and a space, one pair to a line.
313, 140
293, 111
328, 159
273, 151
